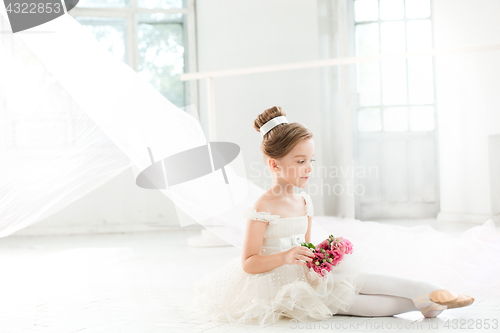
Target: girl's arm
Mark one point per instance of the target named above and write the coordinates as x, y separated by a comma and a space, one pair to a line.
308, 232
251, 260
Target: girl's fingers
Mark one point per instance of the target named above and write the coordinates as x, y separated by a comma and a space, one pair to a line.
308, 253
306, 258
298, 261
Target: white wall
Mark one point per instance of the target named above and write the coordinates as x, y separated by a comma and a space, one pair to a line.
235, 34
468, 106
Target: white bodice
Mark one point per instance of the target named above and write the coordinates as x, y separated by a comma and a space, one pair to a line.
282, 233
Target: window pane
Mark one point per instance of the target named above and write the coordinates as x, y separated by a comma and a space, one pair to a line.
368, 72
164, 4
110, 32
420, 80
393, 37
419, 35
368, 83
367, 39
395, 119
422, 118
365, 10
418, 8
369, 120
160, 18
103, 3
161, 55
391, 10
394, 81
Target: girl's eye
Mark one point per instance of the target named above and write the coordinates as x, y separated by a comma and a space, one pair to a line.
304, 161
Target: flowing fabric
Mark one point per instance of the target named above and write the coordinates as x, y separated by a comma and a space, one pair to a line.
73, 116
465, 263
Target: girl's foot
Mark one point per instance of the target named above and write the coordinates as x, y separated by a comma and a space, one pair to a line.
431, 305
443, 296
433, 310
427, 307
461, 301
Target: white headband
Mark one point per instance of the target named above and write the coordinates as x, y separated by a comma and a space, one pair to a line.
271, 123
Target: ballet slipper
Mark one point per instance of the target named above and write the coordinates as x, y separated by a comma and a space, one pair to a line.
461, 301
443, 296
429, 308
433, 310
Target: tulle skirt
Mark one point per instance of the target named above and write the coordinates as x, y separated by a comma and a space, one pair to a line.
229, 294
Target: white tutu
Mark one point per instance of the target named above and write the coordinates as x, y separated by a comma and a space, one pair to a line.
229, 294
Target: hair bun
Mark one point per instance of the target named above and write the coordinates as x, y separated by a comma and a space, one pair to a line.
280, 139
267, 115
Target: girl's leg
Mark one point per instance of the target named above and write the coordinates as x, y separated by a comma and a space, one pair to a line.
401, 292
382, 284
378, 305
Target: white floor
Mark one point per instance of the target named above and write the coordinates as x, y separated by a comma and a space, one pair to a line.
135, 283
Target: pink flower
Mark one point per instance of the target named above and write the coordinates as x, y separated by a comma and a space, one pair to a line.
334, 250
337, 246
327, 265
348, 246
324, 244
324, 267
338, 256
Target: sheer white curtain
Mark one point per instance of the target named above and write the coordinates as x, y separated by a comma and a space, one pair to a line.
337, 108
74, 116
51, 151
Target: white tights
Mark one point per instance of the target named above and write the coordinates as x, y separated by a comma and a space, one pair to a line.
387, 295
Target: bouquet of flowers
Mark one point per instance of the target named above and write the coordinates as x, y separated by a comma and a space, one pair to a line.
328, 253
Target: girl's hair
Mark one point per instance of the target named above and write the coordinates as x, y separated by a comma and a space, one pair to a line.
281, 139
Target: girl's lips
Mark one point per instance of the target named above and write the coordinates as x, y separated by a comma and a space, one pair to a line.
305, 177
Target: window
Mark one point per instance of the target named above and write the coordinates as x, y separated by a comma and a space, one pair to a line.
395, 95
151, 36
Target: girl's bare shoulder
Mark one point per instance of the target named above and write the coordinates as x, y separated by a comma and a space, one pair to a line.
265, 203
277, 205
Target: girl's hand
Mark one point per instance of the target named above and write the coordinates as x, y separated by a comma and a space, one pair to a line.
296, 254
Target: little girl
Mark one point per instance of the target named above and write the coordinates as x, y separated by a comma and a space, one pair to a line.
270, 279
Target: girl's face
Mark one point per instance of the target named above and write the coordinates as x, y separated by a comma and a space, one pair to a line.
296, 167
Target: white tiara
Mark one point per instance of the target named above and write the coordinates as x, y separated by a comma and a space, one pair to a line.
271, 123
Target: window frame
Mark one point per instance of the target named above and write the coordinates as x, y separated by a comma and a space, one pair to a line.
129, 13
382, 106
